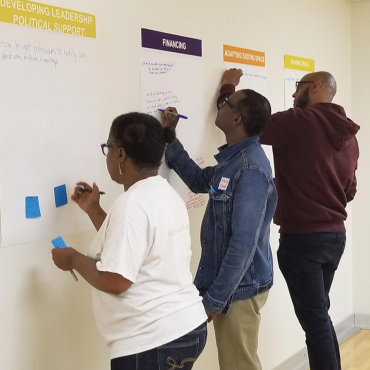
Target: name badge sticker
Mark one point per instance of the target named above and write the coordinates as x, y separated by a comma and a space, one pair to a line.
224, 183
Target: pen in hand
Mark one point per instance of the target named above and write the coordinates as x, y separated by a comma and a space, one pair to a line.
82, 190
73, 274
60, 244
174, 114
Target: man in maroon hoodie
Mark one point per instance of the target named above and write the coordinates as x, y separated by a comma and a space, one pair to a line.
315, 157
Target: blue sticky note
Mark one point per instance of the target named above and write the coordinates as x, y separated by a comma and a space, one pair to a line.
32, 207
59, 242
60, 194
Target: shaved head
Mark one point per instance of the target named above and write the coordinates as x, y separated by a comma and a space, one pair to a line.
316, 87
328, 83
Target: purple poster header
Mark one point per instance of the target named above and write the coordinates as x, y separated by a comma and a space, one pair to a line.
167, 42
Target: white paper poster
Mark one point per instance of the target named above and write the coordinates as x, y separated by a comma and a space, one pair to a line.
49, 127
295, 69
252, 63
172, 75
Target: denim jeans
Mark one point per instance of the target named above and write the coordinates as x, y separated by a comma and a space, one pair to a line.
178, 354
308, 263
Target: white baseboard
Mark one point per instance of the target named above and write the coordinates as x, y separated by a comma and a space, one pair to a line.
299, 361
362, 321
344, 330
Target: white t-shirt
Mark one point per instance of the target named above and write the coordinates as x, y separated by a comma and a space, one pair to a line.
145, 238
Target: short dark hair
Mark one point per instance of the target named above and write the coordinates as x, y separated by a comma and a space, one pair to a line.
142, 136
255, 111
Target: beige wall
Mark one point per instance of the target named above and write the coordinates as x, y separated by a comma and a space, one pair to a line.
46, 318
360, 104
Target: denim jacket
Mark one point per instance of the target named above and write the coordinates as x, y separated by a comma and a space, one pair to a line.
236, 259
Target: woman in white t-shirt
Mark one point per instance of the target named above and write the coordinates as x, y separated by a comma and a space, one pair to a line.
148, 310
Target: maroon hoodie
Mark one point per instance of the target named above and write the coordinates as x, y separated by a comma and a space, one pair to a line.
315, 157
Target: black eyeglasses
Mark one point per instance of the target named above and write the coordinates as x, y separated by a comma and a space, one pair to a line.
226, 101
105, 148
297, 83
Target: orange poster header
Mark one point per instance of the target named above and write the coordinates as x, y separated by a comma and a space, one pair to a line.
244, 56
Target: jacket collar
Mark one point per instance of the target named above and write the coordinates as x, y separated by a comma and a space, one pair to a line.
226, 152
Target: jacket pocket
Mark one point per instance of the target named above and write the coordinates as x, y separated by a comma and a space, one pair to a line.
221, 206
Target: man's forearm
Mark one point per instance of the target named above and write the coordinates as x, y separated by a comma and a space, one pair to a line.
196, 178
225, 91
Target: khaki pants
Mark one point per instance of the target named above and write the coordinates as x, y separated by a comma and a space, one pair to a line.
237, 334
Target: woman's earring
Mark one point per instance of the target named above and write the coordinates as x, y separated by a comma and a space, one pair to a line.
119, 169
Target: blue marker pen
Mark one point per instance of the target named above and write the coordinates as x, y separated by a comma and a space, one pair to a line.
174, 114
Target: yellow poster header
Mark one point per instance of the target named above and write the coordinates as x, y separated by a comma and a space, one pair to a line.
301, 64
243, 56
47, 17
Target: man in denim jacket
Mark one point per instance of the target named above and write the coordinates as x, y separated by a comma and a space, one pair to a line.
235, 271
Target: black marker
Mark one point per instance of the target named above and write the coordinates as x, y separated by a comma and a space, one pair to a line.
82, 190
